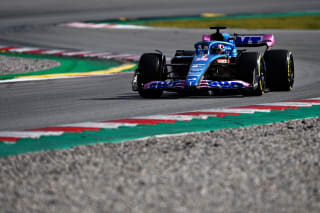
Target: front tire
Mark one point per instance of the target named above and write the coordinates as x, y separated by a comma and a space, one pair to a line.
149, 69
251, 70
280, 70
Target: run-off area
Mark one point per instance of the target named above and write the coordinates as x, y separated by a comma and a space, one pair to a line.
262, 168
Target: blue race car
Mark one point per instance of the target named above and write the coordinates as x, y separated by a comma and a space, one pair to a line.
215, 65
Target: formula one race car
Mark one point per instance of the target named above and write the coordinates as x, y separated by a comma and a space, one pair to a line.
216, 65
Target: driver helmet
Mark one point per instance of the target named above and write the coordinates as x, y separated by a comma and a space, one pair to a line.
218, 49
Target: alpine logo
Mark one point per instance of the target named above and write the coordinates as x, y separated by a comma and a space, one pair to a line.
161, 84
228, 84
248, 39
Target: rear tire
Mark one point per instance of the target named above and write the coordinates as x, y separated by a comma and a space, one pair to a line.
280, 69
251, 69
149, 69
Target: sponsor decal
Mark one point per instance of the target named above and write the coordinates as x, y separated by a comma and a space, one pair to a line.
197, 65
227, 84
248, 39
204, 58
161, 84
223, 61
196, 68
195, 71
191, 82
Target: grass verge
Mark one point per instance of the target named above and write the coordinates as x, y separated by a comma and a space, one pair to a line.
68, 65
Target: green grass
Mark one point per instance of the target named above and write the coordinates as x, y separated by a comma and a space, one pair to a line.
300, 22
67, 65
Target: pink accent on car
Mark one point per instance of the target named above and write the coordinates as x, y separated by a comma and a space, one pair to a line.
268, 39
147, 85
206, 38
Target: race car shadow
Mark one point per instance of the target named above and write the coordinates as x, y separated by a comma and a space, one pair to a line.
165, 96
120, 97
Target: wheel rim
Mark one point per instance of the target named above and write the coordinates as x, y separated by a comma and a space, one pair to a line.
290, 72
260, 77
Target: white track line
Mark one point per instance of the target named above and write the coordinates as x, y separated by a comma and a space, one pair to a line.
52, 52
103, 125
96, 54
294, 104
255, 110
28, 134
75, 53
41, 79
315, 104
172, 117
246, 111
23, 49
104, 26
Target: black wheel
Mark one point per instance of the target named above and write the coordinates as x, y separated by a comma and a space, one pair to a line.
280, 69
251, 69
149, 69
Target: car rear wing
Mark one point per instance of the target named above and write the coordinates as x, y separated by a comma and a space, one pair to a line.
254, 40
249, 40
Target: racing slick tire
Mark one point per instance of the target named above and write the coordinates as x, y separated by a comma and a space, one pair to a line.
251, 69
280, 70
149, 69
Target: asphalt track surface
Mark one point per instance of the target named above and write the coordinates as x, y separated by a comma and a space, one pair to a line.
271, 168
44, 103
